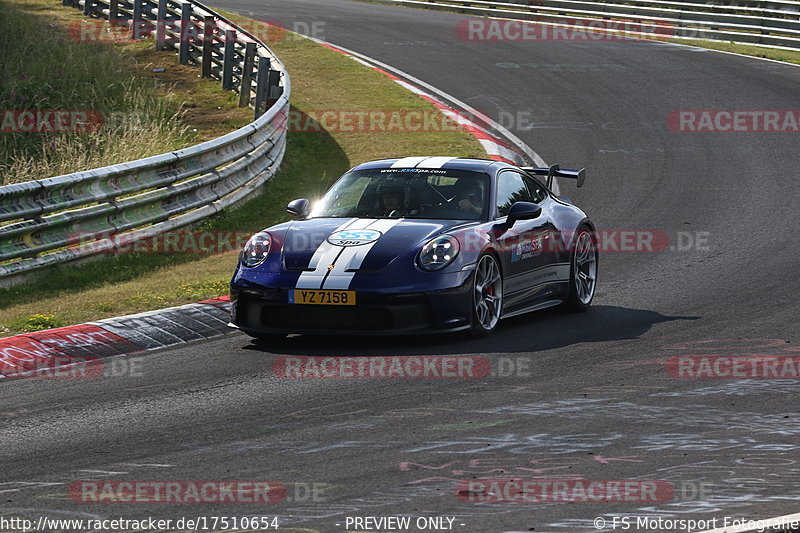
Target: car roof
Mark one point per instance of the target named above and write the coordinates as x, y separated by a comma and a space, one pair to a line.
447, 163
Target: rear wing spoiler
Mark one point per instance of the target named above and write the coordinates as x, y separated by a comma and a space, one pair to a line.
554, 171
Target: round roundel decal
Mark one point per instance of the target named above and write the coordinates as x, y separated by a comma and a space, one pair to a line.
354, 237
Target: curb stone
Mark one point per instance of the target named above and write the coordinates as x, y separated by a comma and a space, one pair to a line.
30, 354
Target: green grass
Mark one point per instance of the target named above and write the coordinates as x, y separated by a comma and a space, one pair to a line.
787, 56
36, 322
321, 80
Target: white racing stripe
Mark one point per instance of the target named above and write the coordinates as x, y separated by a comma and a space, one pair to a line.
434, 162
342, 258
422, 162
352, 257
323, 256
408, 162
338, 278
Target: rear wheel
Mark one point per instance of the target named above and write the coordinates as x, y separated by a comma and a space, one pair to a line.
487, 296
583, 271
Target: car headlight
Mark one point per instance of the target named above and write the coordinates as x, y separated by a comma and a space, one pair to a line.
438, 253
256, 249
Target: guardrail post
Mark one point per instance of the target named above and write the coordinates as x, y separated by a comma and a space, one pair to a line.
247, 74
208, 45
227, 59
262, 80
187, 31
274, 90
113, 12
137, 22
161, 25
87, 7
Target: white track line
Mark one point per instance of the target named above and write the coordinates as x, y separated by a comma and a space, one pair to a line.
527, 150
536, 158
733, 53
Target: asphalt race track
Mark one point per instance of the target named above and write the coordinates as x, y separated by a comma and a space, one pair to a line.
589, 396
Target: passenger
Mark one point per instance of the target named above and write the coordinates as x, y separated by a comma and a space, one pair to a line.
469, 197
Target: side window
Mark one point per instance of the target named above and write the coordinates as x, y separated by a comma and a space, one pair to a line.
536, 189
510, 189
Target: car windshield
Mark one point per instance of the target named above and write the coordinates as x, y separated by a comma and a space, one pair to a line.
407, 193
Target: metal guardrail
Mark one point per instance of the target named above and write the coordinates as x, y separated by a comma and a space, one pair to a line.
59, 219
765, 23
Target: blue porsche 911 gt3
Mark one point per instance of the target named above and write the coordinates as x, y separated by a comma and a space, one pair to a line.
418, 244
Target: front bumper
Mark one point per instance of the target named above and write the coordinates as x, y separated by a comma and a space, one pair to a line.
262, 309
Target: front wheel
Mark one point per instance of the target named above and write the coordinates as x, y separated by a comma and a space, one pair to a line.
583, 271
487, 296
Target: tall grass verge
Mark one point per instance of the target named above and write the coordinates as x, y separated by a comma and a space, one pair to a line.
44, 69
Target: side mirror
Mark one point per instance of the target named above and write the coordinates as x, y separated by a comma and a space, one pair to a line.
298, 208
522, 211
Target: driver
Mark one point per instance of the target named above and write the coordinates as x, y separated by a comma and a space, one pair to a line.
391, 200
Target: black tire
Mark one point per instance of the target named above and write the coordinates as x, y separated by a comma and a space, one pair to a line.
487, 296
582, 271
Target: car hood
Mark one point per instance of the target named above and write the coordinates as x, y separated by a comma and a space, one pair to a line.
307, 242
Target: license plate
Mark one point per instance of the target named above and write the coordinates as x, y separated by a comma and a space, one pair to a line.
322, 297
